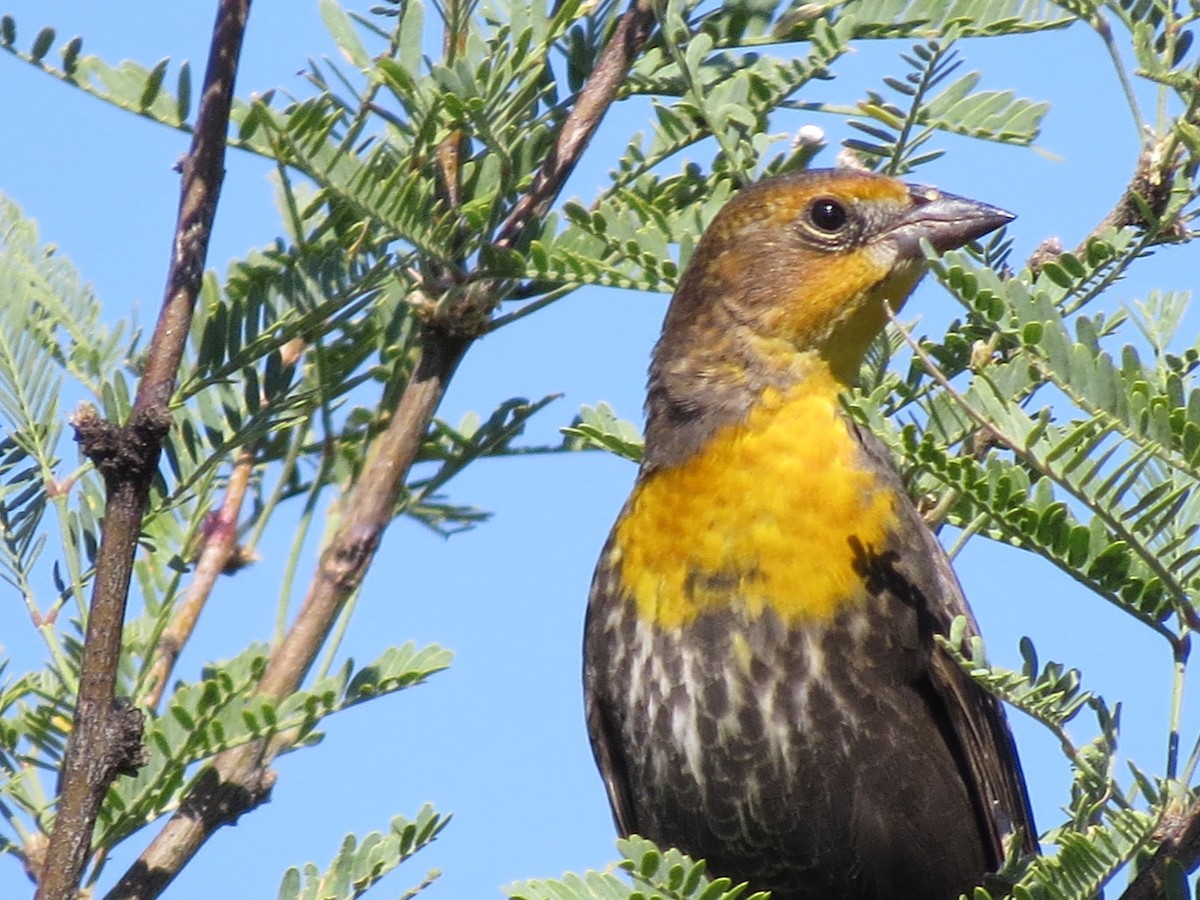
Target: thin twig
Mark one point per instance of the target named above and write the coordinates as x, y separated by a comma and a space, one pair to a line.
1102, 28
1149, 190
612, 68
220, 553
216, 556
105, 738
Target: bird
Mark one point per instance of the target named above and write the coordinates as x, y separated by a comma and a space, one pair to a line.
763, 680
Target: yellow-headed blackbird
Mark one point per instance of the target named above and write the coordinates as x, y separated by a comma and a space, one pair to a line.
763, 684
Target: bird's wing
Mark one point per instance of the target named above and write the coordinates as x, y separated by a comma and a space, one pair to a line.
606, 739
976, 719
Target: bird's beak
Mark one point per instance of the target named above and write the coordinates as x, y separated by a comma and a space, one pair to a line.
946, 221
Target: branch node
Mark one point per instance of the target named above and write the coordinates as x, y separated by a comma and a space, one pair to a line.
121, 452
123, 736
215, 802
1147, 198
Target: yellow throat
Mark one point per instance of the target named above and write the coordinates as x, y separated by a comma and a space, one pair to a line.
761, 518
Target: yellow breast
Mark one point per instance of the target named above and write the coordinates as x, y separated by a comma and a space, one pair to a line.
762, 518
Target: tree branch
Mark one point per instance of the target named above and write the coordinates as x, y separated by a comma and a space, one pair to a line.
238, 779
1179, 847
1142, 204
612, 68
105, 738
217, 554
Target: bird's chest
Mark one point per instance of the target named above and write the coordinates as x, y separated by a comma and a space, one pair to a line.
772, 514
740, 733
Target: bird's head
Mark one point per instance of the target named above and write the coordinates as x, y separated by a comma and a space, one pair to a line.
795, 272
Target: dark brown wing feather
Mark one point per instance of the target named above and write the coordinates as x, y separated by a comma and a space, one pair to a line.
976, 719
607, 743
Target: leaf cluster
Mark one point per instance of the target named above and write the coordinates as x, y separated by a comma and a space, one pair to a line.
653, 873
1084, 453
360, 864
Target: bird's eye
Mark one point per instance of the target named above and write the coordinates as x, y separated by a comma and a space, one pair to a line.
827, 215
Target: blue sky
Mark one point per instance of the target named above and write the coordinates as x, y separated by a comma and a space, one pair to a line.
499, 739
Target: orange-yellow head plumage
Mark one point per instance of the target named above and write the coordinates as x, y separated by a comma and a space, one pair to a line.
793, 274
